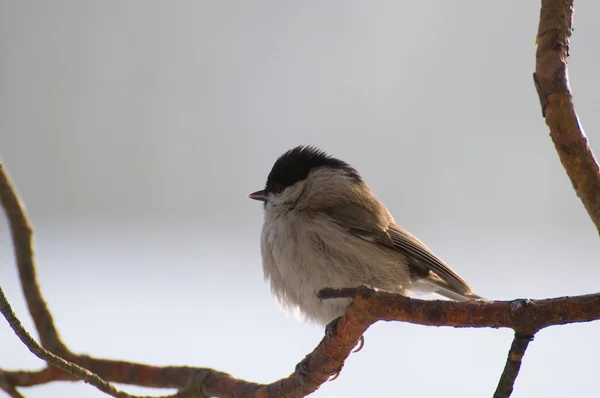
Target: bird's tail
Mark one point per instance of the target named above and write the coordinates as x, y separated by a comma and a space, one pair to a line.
452, 295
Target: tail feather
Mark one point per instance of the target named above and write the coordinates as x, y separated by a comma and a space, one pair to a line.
457, 296
428, 285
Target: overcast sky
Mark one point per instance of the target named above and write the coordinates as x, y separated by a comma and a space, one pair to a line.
134, 131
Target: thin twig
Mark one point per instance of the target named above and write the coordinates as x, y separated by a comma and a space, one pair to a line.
552, 84
22, 236
513, 364
28, 378
45, 355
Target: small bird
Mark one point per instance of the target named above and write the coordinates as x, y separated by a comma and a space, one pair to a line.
323, 227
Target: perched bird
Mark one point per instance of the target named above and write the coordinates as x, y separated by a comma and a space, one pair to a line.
323, 227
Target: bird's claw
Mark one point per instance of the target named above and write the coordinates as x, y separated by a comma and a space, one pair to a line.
360, 344
336, 374
330, 328
301, 372
330, 331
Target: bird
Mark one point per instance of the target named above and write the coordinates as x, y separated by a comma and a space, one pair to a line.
324, 228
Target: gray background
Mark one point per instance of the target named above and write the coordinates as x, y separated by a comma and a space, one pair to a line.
135, 130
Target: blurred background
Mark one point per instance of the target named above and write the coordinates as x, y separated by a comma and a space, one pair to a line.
135, 130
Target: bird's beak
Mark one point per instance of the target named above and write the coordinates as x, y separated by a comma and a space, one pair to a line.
258, 195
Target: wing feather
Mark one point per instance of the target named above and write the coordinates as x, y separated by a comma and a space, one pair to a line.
423, 264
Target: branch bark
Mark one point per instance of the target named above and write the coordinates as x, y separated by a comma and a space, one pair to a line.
22, 236
552, 84
526, 317
8, 387
513, 365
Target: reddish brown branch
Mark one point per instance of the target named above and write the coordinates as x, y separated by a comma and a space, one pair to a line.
367, 307
524, 316
26, 378
192, 382
8, 387
22, 236
50, 358
552, 84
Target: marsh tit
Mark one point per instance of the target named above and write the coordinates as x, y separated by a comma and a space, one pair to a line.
323, 227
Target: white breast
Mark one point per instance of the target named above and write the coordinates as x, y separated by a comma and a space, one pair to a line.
303, 254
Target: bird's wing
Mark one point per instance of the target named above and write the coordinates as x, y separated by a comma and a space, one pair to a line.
423, 265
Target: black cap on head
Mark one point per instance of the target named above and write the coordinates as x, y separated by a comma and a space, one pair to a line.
297, 163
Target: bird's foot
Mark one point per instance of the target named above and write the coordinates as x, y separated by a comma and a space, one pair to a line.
330, 328
336, 374
301, 373
330, 331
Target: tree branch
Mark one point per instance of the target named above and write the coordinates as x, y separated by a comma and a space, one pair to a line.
22, 236
524, 316
368, 306
45, 355
513, 364
552, 84
8, 387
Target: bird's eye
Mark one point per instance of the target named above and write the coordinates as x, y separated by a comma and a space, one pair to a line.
278, 188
